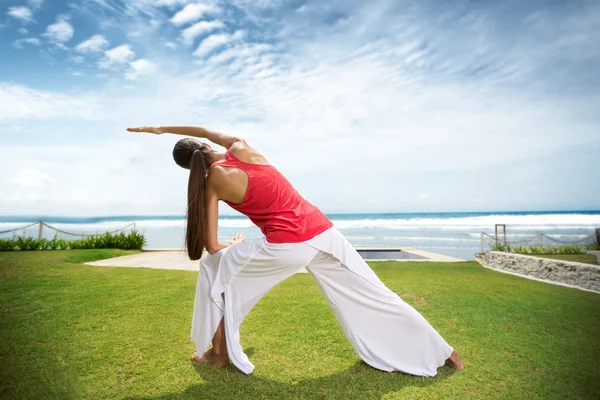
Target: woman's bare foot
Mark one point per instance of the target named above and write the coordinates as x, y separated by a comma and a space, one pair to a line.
454, 361
209, 357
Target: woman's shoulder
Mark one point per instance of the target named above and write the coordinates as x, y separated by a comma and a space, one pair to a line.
247, 154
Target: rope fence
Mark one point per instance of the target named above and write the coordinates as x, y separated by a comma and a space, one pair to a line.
18, 229
538, 240
85, 235
571, 242
42, 224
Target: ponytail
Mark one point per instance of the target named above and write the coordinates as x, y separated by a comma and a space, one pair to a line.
195, 236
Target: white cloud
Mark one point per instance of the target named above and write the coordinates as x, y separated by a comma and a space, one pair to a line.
33, 41
241, 51
117, 55
21, 102
94, 44
193, 12
140, 67
30, 178
78, 59
395, 99
246, 4
22, 13
61, 31
23, 31
105, 182
170, 3
171, 45
217, 40
190, 34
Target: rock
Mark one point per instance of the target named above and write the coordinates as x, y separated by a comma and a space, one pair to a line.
576, 274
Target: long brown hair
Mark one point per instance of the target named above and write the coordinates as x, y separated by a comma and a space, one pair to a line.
195, 156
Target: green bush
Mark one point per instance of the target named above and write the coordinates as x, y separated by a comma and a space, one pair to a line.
539, 250
501, 247
28, 244
7, 245
57, 243
592, 247
131, 241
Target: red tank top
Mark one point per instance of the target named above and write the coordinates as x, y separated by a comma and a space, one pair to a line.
273, 204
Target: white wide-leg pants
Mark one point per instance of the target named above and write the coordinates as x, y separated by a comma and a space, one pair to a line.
386, 332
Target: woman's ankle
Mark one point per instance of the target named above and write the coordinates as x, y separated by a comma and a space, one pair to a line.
220, 352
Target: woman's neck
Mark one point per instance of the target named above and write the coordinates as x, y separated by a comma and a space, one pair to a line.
216, 157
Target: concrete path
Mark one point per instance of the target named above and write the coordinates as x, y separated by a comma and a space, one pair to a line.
169, 259
178, 260
430, 256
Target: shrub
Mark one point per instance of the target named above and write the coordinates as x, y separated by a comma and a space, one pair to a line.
538, 250
132, 241
592, 247
7, 244
27, 244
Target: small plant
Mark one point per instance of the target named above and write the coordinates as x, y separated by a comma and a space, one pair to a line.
539, 250
43, 244
7, 244
501, 247
592, 247
521, 250
136, 240
550, 250
55, 243
131, 241
28, 244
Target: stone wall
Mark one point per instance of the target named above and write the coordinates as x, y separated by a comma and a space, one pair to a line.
585, 276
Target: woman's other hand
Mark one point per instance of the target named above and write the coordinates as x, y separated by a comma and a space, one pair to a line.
149, 129
240, 237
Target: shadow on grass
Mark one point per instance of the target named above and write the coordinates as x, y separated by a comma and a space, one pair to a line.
359, 381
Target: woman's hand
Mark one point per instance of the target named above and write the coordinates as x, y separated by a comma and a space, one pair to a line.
240, 237
149, 129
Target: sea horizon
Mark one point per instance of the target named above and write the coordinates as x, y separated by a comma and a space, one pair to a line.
131, 217
457, 234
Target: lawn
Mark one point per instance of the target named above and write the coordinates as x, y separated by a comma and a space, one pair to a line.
75, 331
582, 258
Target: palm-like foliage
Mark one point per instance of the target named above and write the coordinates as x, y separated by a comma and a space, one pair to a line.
538, 250
134, 240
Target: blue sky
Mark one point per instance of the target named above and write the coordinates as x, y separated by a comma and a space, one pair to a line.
379, 106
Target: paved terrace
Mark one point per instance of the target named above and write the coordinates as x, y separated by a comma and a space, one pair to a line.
177, 259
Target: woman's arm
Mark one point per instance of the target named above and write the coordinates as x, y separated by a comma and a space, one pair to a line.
219, 138
212, 218
215, 177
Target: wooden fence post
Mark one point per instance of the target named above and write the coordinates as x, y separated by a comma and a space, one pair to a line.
481, 240
40, 230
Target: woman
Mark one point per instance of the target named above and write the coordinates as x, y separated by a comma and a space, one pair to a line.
387, 333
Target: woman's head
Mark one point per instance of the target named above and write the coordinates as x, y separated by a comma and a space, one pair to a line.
195, 156
185, 148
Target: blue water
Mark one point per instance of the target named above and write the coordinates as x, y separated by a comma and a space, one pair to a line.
454, 234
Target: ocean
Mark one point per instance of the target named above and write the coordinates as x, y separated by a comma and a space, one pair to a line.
453, 234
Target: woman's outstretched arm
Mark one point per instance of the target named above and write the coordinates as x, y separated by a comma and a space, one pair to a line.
222, 139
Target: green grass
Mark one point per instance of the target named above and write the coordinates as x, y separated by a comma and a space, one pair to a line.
74, 331
582, 258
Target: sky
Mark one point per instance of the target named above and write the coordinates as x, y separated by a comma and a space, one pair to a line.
378, 106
